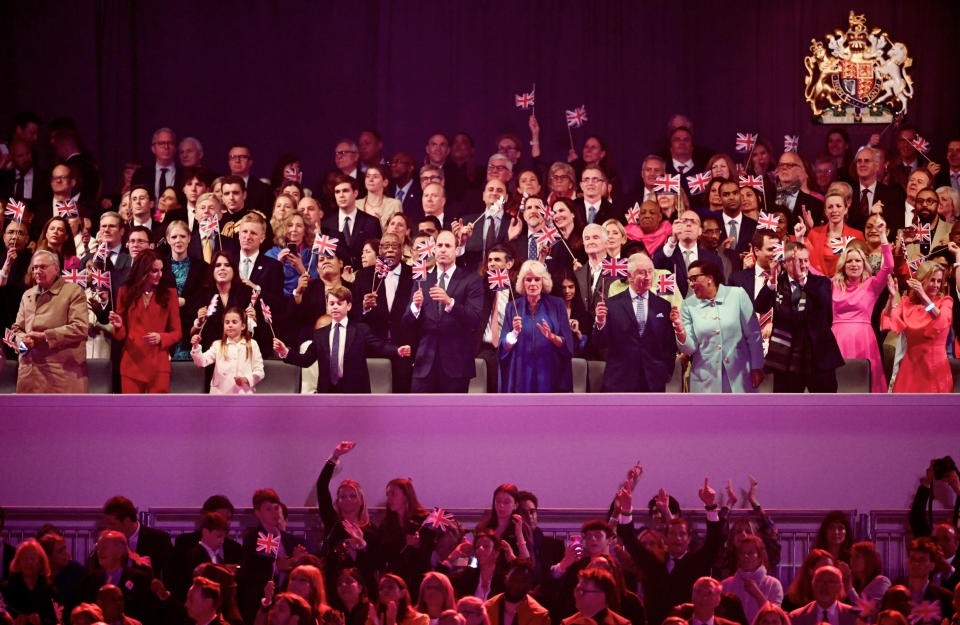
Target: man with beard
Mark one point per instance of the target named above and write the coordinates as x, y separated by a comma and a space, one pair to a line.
926, 216
515, 605
790, 198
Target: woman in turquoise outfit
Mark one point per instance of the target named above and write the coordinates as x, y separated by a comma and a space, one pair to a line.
535, 357
294, 230
189, 275
718, 329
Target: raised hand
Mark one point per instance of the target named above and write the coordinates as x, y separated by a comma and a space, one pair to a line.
342, 448
707, 495
280, 348
752, 493
624, 498
600, 313
418, 298
731, 495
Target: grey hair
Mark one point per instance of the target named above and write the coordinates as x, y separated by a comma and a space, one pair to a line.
196, 143
875, 152
53, 257
500, 157
536, 268
153, 139
633, 263
429, 167
209, 196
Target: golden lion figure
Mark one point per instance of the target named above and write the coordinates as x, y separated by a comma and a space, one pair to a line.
827, 66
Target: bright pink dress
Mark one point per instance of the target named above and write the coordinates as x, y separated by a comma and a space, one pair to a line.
924, 368
851, 320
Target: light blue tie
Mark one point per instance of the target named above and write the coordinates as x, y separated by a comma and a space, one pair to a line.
400, 195
640, 307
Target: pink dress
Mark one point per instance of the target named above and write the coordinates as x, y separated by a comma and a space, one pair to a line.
925, 368
851, 320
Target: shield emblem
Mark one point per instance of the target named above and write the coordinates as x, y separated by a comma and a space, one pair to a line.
855, 82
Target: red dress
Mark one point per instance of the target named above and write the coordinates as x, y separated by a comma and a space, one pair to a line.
141, 361
924, 368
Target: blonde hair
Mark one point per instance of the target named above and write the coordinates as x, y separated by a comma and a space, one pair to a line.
280, 233
537, 269
857, 247
31, 544
924, 273
245, 337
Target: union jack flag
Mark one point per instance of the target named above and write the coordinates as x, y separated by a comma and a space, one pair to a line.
577, 116
76, 276
741, 170
548, 236
10, 337
923, 231
698, 183
439, 519
633, 214
495, 208
498, 279
745, 141
212, 308
293, 174
766, 318
791, 143
99, 279
426, 249
324, 245
67, 209
14, 210
267, 313
381, 269
102, 251
778, 252
837, 244
754, 182
613, 267
866, 606
268, 543
925, 612
545, 211
667, 184
920, 144
915, 263
767, 221
524, 100
667, 284
420, 269
254, 297
210, 228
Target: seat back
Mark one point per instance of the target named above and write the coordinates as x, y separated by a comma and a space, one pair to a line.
595, 375
579, 375
186, 378
478, 384
381, 375
854, 376
100, 376
279, 378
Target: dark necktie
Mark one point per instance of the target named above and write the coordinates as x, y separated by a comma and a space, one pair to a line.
18, 186
443, 285
491, 235
346, 230
335, 355
532, 249
163, 181
865, 202
825, 619
681, 169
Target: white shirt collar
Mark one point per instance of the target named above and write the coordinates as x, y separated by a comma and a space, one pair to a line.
634, 294
342, 322
252, 257
687, 165
727, 219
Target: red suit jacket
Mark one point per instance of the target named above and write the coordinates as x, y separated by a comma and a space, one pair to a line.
141, 361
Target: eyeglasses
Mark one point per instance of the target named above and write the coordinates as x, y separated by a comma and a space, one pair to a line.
582, 591
787, 165
61, 178
164, 144
695, 276
593, 180
930, 201
238, 157
430, 178
496, 168
389, 246
344, 152
688, 220
559, 177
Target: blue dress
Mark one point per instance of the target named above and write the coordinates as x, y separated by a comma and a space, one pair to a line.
290, 275
534, 364
180, 270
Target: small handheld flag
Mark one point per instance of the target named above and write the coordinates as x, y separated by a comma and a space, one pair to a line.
613, 267
548, 236
9, 338
426, 249
699, 182
633, 214
267, 313
420, 269
75, 276
745, 141
67, 209
209, 228
667, 184
837, 244
923, 231
15, 210
778, 252
925, 612
498, 279
102, 251
381, 269
268, 543
577, 116
292, 174
212, 308
523, 101
667, 284
754, 182
920, 144
766, 221
791, 143
324, 245
439, 519
99, 279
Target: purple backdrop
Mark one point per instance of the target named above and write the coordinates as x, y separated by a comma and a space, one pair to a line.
297, 76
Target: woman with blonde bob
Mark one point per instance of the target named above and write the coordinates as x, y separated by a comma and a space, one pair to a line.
536, 355
436, 595
28, 589
855, 292
771, 614
294, 248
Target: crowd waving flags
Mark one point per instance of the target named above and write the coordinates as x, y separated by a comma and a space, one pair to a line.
420, 270
577, 116
427, 249
633, 214
76, 276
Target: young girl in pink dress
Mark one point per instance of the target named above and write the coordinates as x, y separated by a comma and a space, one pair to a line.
855, 292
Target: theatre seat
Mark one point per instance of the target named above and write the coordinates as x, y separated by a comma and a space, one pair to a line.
595, 375
186, 378
579, 375
854, 376
479, 382
100, 376
955, 369
381, 375
279, 378
8, 377
675, 383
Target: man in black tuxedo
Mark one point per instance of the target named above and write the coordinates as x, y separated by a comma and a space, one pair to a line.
258, 195
490, 230
682, 248
754, 279
203, 246
499, 256
382, 309
164, 172
403, 185
634, 326
803, 350
152, 545
684, 159
111, 568
141, 207
445, 311
18, 182
118, 261
185, 545
353, 226
592, 208
868, 190
341, 348
790, 198
69, 149
735, 224
272, 561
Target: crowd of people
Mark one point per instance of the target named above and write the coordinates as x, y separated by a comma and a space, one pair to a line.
417, 566
770, 266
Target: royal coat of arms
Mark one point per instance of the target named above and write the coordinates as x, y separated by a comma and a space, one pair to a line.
858, 76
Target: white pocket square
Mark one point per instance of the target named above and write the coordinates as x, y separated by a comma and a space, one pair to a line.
659, 315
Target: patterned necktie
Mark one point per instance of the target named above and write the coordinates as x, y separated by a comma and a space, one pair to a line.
442, 283
640, 308
245, 274
532, 249
593, 214
732, 232
400, 195
335, 355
